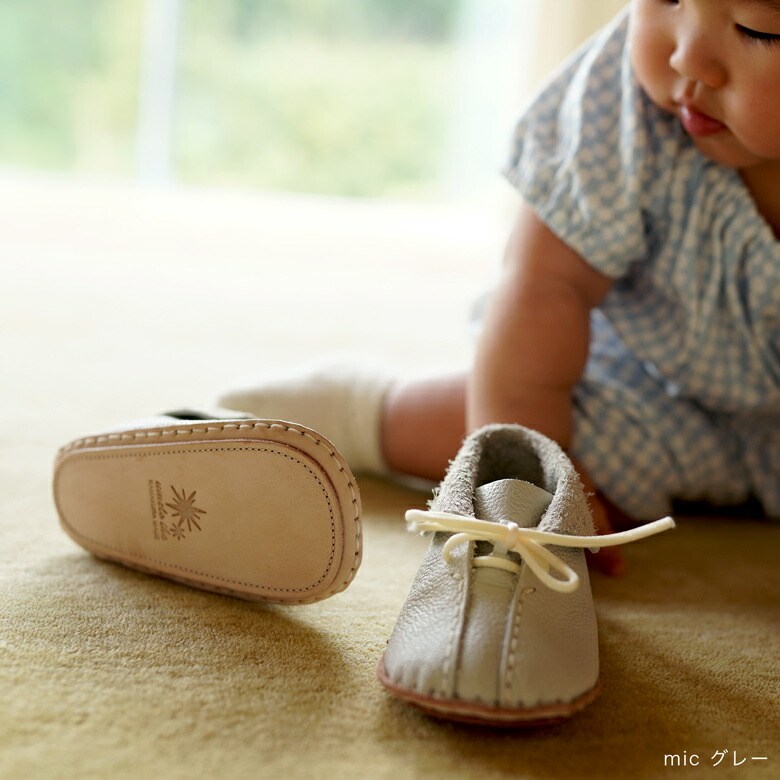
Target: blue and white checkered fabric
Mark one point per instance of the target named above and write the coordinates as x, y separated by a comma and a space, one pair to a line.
681, 396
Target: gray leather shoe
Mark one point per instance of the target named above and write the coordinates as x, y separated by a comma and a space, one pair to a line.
497, 629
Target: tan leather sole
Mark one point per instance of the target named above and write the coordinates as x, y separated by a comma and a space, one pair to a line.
483, 714
257, 509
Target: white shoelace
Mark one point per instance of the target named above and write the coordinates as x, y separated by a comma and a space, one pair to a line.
528, 543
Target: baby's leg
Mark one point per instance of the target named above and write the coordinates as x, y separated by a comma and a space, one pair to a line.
378, 422
423, 424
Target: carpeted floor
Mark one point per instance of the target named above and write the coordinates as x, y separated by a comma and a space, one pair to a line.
118, 303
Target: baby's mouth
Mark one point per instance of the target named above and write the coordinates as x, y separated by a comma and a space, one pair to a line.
697, 123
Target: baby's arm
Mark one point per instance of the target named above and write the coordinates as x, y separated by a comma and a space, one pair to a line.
536, 334
534, 346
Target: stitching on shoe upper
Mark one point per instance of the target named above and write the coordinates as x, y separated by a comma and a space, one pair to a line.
88, 440
452, 640
509, 676
195, 571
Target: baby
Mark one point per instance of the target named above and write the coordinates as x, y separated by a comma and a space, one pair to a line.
637, 321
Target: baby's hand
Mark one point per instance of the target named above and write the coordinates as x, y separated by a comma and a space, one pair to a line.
609, 560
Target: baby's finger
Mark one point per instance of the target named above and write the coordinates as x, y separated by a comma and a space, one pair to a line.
608, 560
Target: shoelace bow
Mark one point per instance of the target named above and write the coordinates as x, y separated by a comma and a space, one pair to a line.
528, 543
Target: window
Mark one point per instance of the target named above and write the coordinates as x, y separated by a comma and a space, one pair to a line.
408, 99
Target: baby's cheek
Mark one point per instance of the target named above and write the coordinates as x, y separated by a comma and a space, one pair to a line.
758, 124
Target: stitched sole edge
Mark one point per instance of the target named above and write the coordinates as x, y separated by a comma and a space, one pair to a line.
228, 429
484, 715
228, 436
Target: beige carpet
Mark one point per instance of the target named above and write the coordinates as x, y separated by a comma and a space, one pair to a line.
116, 304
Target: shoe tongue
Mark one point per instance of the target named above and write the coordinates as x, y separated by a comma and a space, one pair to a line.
512, 500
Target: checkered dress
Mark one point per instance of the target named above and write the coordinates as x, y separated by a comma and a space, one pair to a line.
681, 394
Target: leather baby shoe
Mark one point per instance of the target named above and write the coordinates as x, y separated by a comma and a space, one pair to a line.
497, 628
259, 509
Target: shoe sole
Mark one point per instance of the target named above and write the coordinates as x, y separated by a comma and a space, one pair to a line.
484, 715
261, 510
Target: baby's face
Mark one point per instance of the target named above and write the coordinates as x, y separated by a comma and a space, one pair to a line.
716, 65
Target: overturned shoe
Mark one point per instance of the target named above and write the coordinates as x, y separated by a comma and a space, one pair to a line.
497, 629
257, 509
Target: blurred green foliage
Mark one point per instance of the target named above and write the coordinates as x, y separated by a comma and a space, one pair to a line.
68, 79
346, 97
426, 20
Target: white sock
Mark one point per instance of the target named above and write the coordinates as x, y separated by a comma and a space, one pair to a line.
341, 400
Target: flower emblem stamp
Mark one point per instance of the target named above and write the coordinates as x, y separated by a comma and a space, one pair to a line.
177, 518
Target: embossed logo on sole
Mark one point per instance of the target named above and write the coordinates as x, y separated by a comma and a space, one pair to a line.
174, 519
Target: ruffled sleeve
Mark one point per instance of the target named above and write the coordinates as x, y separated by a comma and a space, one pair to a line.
582, 159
